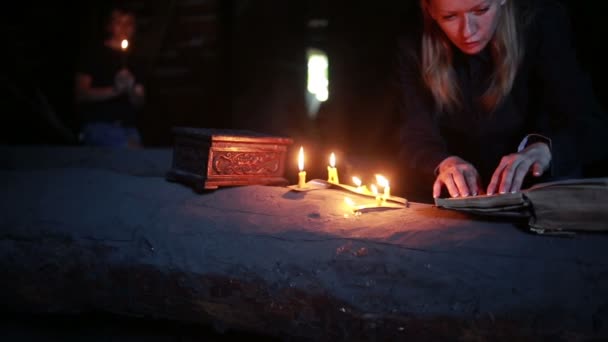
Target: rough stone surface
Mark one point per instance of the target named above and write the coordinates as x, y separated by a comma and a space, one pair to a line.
76, 239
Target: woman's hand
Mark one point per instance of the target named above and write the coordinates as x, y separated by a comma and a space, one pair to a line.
137, 95
513, 168
138, 90
124, 81
459, 177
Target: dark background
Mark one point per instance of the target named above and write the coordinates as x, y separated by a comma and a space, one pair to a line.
233, 64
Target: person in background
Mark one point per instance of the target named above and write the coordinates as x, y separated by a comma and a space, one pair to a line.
108, 90
493, 100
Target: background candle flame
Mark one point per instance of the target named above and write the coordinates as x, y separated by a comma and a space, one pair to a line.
357, 181
124, 44
301, 159
332, 160
383, 182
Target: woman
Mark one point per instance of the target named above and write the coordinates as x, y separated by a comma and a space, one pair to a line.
492, 93
108, 93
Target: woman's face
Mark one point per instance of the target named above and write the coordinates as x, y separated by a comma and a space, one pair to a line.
469, 24
122, 25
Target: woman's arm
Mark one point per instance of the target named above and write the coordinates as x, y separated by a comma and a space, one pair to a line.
86, 93
422, 146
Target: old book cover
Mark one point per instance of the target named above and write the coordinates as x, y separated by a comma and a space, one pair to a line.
567, 205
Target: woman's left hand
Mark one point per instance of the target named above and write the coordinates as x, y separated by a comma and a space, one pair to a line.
136, 95
510, 173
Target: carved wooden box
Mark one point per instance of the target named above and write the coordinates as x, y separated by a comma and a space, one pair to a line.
210, 158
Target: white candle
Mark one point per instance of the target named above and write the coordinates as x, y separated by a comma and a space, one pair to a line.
124, 45
357, 182
375, 192
332, 171
387, 191
302, 173
383, 182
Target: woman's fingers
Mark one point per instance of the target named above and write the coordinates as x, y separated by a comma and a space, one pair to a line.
458, 176
506, 179
537, 169
458, 184
467, 182
451, 185
448, 181
518, 176
496, 177
503, 177
437, 188
473, 183
511, 172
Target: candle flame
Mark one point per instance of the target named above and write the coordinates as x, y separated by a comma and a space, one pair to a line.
383, 182
301, 159
357, 181
124, 44
332, 160
374, 189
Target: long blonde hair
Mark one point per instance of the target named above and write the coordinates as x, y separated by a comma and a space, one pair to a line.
438, 73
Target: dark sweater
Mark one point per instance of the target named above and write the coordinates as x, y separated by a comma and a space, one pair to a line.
102, 63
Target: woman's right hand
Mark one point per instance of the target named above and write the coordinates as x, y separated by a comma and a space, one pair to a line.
459, 177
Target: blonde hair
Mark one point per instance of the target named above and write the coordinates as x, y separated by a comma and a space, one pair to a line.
439, 75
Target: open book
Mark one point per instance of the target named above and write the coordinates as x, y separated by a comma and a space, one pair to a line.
568, 205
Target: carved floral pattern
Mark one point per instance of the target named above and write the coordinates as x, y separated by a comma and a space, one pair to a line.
246, 163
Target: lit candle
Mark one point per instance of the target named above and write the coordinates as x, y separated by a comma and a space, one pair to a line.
375, 192
302, 173
383, 182
387, 191
124, 44
357, 182
332, 171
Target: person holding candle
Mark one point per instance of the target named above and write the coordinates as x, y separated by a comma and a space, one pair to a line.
493, 99
109, 91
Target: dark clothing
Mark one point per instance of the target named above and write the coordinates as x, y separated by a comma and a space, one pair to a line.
102, 63
550, 96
